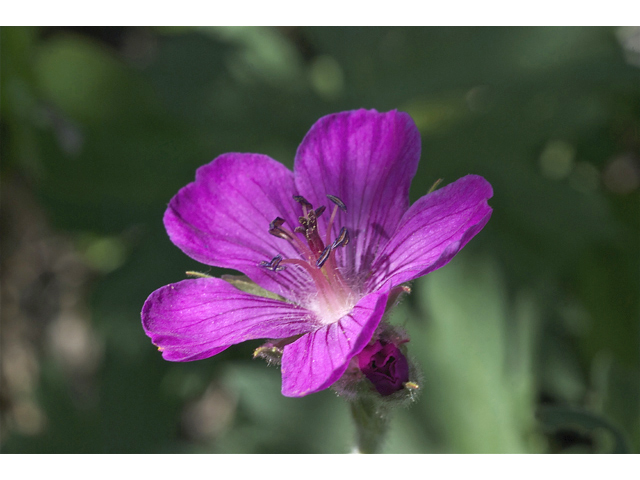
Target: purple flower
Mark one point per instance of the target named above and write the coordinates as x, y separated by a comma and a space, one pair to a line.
332, 241
385, 366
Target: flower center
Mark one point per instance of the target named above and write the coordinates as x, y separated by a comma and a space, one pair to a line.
335, 297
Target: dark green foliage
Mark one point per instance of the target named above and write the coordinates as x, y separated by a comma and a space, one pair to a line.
528, 340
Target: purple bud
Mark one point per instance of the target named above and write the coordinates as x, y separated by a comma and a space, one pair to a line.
385, 366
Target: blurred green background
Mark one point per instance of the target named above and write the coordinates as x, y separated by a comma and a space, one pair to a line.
528, 340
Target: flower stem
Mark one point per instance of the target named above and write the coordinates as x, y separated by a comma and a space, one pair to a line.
372, 422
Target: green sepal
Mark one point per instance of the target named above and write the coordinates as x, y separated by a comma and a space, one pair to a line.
269, 352
244, 283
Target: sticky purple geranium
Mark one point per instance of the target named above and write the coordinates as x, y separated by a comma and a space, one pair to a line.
333, 241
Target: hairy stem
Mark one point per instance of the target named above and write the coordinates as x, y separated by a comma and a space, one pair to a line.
372, 423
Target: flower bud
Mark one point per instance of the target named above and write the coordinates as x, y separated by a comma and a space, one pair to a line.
385, 366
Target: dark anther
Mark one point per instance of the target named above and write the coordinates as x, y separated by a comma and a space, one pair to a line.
343, 238
273, 265
276, 231
278, 222
280, 233
302, 201
319, 211
324, 256
338, 202
300, 230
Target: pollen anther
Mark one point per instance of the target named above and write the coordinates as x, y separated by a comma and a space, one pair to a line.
303, 201
280, 233
342, 240
338, 202
324, 256
273, 265
278, 222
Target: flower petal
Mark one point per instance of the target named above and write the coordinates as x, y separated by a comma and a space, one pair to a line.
222, 219
367, 159
316, 360
199, 318
433, 230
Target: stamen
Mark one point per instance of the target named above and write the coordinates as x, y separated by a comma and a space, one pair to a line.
280, 233
275, 229
273, 265
324, 256
309, 228
324, 288
303, 201
278, 222
338, 202
315, 257
343, 238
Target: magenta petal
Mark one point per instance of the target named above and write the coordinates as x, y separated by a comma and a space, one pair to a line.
367, 159
316, 360
433, 230
196, 319
222, 219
